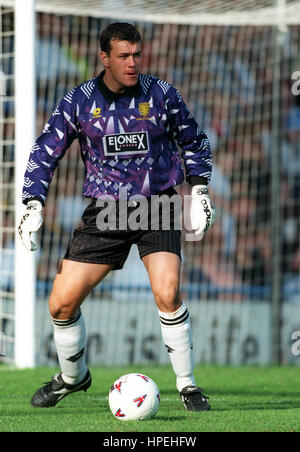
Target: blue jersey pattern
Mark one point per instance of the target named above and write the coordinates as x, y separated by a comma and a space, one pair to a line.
129, 143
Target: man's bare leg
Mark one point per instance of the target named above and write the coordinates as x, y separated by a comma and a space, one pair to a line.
72, 284
164, 274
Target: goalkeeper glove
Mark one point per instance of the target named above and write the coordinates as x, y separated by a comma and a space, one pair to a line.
30, 222
203, 214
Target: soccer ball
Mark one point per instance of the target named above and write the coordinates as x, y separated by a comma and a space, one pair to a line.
134, 397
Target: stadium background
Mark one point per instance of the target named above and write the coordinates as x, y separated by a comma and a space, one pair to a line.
242, 281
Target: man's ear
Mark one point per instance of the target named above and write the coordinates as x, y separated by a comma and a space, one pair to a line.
104, 58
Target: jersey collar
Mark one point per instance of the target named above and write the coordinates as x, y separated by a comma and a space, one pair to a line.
110, 96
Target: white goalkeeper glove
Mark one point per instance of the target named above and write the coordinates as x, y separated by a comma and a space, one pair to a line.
203, 214
30, 222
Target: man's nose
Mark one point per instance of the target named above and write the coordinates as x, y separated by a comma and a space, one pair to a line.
131, 61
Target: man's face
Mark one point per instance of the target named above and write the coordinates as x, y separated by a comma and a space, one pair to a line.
122, 65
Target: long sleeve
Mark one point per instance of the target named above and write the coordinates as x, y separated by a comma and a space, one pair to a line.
196, 151
48, 149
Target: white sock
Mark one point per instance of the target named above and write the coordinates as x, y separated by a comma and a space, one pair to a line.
177, 337
69, 337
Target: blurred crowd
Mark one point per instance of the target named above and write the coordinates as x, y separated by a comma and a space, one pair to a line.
226, 76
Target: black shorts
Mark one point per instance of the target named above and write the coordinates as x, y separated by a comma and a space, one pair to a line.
93, 245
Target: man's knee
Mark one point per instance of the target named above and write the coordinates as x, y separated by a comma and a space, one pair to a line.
167, 297
63, 306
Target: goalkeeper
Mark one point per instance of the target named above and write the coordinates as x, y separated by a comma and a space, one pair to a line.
127, 124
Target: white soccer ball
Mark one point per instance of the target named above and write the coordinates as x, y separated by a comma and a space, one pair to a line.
134, 397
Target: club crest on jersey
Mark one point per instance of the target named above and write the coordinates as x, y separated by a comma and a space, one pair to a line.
126, 143
97, 113
144, 109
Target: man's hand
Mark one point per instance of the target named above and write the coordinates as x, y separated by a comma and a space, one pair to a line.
203, 214
30, 222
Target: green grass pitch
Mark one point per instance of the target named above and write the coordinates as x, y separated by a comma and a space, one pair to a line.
243, 399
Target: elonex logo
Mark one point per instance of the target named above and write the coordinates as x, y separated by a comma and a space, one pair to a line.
126, 143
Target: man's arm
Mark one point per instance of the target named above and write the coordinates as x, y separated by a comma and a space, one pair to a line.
49, 148
196, 153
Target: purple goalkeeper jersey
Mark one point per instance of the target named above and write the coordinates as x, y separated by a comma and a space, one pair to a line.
127, 141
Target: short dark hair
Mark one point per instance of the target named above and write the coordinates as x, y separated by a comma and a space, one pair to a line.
118, 31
